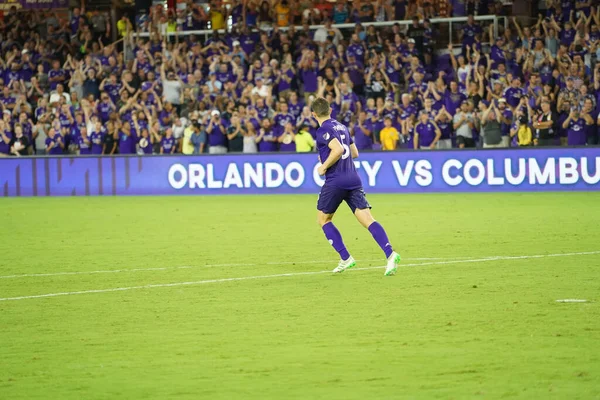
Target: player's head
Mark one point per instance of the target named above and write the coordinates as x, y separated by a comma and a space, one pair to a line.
320, 108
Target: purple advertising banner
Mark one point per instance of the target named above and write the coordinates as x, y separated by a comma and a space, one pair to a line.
569, 169
37, 4
33, 4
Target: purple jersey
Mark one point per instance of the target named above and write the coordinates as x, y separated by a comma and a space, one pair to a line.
283, 84
309, 77
363, 142
167, 144
267, 144
469, 32
54, 141
97, 139
356, 50
104, 110
342, 174
295, 109
5, 147
113, 90
426, 134
576, 132
56, 74
127, 142
217, 137
513, 96
85, 145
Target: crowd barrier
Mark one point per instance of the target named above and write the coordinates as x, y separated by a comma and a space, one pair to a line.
568, 169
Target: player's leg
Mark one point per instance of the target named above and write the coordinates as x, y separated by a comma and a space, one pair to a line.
328, 203
362, 211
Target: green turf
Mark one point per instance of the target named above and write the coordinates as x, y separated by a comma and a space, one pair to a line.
489, 329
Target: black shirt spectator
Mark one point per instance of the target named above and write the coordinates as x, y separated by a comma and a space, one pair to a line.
417, 32
18, 146
109, 144
545, 125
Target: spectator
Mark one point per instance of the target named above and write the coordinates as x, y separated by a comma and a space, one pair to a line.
426, 133
235, 134
168, 144
217, 138
545, 125
363, 132
521, 132
304, 140
389, 136
491, 120
199, 139
54, 143
67, 80
464, 123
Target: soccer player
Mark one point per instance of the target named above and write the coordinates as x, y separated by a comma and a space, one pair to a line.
342, 183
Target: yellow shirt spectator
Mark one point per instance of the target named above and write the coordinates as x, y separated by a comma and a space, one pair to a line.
389, 137
187, 147
282, 13
122, 27
304, 142
172, 26
217, 20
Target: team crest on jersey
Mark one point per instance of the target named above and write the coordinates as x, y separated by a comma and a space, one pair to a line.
326, 136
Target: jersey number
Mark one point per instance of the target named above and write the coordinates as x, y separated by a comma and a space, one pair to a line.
346, 153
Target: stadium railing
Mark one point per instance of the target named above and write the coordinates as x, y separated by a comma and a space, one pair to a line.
495, 20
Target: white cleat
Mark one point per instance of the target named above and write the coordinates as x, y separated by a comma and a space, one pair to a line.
392, 264
344, 265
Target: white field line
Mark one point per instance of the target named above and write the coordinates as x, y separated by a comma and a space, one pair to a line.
572, 301
246, 278
116, 271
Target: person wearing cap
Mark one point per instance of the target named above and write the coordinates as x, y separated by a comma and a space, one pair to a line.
464, 124
217, 135
261, 89
416, 33
520, 132
238, 51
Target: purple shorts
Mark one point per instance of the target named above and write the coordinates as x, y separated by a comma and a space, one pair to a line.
331, 197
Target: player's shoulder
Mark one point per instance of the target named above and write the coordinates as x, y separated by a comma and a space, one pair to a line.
323, 133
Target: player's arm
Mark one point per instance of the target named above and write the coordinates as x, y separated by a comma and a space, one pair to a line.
354, 150
336, 153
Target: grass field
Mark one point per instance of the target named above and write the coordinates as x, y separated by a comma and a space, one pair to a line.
231, 298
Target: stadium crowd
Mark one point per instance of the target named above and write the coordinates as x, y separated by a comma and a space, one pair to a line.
66, 89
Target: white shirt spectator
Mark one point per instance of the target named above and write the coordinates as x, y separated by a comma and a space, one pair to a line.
178, 129
464, 130
321, 35
261, 89
55, 97
172, 91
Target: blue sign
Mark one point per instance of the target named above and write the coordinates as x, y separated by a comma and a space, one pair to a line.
565, 169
